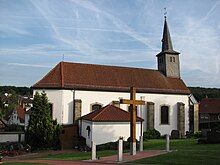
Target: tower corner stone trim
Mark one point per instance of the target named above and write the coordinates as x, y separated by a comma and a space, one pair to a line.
181, 119
196, 118
150, 115
77, 110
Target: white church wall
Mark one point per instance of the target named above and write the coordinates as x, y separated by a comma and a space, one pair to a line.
171, 101
89, 97
62, 101
56, 98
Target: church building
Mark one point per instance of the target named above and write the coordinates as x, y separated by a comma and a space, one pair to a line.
76, 89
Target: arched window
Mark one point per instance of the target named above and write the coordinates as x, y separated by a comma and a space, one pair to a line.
164, 114
88, 131
171, 59
96, 106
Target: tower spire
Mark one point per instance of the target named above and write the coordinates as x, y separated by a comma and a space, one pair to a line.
168, 59
166, 41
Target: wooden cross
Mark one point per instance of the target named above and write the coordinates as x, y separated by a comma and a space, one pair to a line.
133, 116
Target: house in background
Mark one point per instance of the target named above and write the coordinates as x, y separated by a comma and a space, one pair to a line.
21, 114
209, 113
16, 116
27, 104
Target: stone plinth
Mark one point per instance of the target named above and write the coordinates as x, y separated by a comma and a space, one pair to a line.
181, 119
77, 110
150, 115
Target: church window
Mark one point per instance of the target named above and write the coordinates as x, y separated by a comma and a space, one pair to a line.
171, 59
51, 109
96, 106
164, 114
89, 130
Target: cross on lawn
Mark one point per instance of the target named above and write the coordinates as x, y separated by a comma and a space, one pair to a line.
133, 117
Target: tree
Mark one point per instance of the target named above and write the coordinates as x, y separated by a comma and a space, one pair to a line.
42, 131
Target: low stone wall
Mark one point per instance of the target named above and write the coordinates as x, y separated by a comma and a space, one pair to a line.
12, 136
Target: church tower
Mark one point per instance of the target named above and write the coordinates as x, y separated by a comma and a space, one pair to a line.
168, 59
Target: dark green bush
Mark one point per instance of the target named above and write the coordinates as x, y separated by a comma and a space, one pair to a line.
151, 134
197, 135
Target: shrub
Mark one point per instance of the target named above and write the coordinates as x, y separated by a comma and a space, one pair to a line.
151, 134
197, 135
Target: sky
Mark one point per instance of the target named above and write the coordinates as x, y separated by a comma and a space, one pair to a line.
35, 35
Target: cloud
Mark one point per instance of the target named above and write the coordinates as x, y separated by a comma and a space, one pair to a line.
29, 65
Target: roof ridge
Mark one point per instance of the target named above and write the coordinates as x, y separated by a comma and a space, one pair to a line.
47, 74
115, 66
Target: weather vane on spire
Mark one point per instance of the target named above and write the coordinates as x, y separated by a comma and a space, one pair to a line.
63, 58
165, 13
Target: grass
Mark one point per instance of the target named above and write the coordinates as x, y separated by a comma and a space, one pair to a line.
80, 155
185, 152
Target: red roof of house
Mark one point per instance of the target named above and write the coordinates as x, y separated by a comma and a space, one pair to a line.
67, 75
21, 113
209, 105
109, 113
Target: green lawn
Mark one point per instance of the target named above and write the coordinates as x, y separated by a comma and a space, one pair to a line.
184, 152
80, 155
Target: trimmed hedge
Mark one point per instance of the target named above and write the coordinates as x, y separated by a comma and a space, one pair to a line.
151, 134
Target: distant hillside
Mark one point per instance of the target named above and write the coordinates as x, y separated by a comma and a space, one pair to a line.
201, 93
23, 91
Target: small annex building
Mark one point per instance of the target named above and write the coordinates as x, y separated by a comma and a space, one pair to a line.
107, 125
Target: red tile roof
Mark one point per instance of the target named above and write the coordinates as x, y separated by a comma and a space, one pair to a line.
109, 113
21, 113
67, 75
209, 105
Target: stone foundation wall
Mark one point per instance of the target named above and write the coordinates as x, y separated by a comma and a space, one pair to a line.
77, 110
150, 115
196, 118
181, 119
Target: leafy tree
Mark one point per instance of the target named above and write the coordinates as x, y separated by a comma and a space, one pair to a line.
43, 131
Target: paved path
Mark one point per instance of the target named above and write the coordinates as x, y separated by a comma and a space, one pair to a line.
103, 161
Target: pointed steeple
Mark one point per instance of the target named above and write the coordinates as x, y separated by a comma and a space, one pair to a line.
168, 59
166, 41
167, 46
